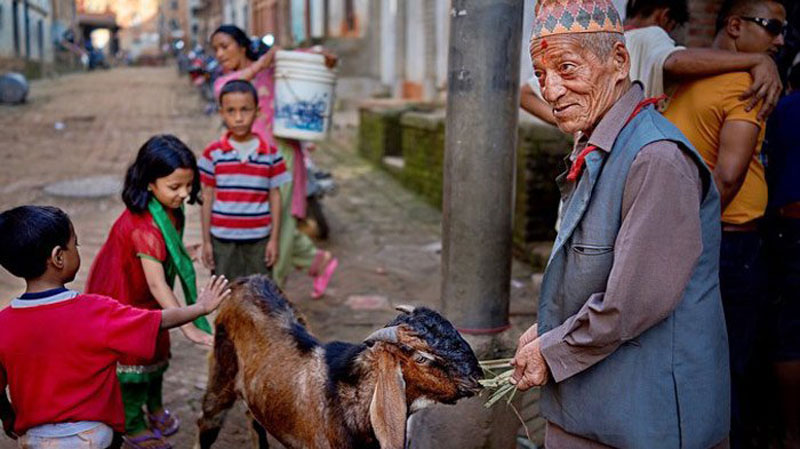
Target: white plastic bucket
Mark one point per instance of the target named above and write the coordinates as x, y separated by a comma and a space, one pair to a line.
303, 95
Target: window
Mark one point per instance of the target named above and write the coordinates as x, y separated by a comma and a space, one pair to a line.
174, 5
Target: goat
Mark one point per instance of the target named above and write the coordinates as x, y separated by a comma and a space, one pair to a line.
310, 395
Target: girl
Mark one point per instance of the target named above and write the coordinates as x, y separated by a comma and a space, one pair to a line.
232, 50
137, 266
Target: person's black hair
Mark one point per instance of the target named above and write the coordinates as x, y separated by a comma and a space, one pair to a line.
240, 37
737, 7
240, 86
158, 157
28, 235
678, 9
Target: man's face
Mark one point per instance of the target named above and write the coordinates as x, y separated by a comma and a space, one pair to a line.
753, 36
577, 84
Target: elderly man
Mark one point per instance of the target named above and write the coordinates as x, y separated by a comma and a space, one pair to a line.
631, 347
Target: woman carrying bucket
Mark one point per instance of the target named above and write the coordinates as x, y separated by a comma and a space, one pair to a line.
234, 53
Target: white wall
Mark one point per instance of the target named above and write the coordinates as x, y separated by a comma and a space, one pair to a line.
415, 41
317, 18
388, 35
442, 40
41, 45
236, 12
6, 29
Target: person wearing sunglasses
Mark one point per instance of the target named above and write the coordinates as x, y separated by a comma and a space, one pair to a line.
712, 115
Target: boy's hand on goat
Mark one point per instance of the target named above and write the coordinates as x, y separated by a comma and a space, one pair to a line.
195, 335
213, 293
208, 256
271, 252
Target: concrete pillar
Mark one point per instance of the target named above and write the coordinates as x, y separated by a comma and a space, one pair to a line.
480, 141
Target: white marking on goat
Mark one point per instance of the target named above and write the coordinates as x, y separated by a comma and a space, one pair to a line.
420, 403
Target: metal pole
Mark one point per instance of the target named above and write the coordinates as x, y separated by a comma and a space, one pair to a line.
480, 143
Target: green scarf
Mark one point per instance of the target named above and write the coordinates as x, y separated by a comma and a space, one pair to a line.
181, 263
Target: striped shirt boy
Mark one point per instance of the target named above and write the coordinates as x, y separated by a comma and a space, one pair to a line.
241, 188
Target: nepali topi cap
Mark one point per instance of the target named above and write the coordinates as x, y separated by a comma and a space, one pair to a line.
575, 16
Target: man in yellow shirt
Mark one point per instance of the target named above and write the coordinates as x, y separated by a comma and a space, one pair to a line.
712, 115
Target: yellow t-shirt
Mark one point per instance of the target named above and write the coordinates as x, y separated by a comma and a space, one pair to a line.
699, 109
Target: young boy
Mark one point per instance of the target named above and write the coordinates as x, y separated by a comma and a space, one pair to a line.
59, 350
241, 174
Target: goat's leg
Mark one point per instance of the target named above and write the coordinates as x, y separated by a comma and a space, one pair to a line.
259, 436
221, 392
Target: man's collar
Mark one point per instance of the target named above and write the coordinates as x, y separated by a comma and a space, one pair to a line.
606, 132
225, 144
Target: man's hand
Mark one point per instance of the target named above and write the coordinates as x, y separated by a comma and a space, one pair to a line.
208, 256
530, 367
213, 293
527, 337
766, 86
271, 252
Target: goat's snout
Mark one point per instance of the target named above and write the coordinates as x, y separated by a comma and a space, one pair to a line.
469, 387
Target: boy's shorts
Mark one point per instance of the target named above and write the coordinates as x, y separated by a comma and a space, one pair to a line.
99, 437
237, 258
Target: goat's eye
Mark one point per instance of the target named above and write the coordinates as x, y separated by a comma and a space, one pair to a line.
421, 359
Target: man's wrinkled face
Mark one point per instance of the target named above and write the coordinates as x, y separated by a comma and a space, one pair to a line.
577, 84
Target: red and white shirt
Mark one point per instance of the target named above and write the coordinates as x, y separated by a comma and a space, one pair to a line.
59, 353
241, 188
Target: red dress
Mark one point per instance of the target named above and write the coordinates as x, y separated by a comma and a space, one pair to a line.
117, 272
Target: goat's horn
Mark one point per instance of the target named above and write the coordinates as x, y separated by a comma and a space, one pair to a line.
388, 334
405, 308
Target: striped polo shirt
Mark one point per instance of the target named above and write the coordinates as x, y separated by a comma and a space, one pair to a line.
241, 188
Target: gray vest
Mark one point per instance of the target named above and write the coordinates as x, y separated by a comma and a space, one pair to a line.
669, 387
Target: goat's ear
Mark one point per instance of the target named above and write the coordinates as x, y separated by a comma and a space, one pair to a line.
387, 411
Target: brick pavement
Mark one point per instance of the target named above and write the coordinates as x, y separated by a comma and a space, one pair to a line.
383, 235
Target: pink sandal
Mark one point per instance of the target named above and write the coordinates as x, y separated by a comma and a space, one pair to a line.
321, 281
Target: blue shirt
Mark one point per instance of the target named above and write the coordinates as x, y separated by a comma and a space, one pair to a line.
782, 147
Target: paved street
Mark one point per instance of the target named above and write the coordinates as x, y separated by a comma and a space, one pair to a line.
385, 237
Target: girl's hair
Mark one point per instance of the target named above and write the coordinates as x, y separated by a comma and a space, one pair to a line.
240, 37
160, 156
239, 86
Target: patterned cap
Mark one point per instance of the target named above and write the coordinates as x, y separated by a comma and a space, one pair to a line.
575, 16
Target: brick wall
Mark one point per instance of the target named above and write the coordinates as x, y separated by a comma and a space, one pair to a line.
703, 16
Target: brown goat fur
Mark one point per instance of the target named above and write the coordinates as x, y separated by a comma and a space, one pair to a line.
310, 395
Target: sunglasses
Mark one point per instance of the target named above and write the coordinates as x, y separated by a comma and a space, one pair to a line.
773, 26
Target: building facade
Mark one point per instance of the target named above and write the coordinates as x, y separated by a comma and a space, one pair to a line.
26, 34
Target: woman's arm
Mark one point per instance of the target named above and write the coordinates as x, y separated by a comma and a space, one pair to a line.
161, 291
